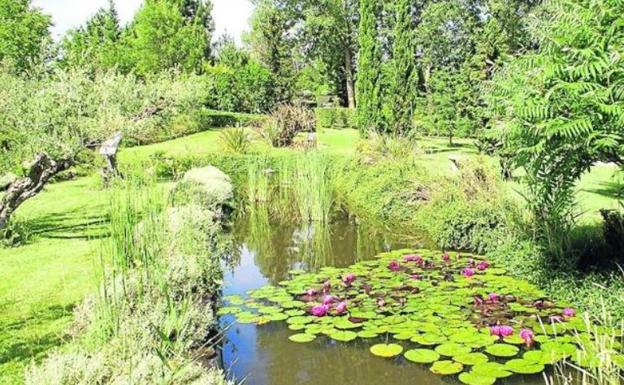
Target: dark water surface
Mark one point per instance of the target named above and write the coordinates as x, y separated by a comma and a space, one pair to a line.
263, 355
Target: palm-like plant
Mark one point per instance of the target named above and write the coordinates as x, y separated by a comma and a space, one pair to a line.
564, 103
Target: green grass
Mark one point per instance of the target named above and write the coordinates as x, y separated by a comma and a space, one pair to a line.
42, 281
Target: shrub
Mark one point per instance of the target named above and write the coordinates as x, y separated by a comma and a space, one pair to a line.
335, 117
286, 122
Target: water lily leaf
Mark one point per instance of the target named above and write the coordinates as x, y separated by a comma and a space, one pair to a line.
386, 350
452, 349
277, 317
502, 350
446, 367
421, 356
367, 334
302, 338
470, 378
269, 309
524, 366
227, 310
471, 358
296, 327
342, 335
514, 340
302, 320
491, 369
294, 312
429, 339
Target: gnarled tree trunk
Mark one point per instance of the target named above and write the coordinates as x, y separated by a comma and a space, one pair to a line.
41, 171
109, 152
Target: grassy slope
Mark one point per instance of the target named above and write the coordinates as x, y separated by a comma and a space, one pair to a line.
42, 281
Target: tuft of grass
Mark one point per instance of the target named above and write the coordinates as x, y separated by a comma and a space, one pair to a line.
235, 140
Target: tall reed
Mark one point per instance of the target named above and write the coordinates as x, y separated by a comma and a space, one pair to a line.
312, 187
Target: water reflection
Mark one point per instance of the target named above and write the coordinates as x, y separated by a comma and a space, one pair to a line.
267, 250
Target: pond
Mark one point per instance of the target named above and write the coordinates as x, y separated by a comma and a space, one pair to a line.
268, 253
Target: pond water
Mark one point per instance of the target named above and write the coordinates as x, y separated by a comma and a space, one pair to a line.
266, 251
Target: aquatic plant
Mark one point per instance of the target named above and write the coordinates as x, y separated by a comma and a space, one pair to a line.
485, 324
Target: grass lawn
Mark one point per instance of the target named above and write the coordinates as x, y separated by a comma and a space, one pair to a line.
42, 281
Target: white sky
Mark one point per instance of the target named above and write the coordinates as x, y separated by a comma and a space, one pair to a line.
231, 16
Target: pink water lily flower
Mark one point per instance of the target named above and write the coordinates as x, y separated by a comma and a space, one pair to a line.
341, 308
494, 297
416, 277
495, 330
394, 266
312, 292
468, 272
320, 310
348, 279
483, 266
506, 331
446, 257
328, 299
528, 337
412, 258
568, 312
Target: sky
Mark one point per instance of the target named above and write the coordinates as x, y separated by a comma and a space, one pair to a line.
231, 16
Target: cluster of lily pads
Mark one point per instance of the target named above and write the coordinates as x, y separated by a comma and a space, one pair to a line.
457, 313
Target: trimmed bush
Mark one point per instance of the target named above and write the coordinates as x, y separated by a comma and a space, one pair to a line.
335, 117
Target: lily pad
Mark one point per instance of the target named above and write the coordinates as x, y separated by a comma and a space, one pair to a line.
302, 338
421, 356
502, 350
452, 349
446, 367
386, 350
524, 366
491, 369
470, 378
471, 358
342, 335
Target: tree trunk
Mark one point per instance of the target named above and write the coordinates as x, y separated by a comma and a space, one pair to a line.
109, 152
349, 78
41, 171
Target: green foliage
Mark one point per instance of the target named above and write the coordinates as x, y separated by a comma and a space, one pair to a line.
564, 107
96, 45
368, 87
335, 118
242, 88
272, 43
168, 34
24, 35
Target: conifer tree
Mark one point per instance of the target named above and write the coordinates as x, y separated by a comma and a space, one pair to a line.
402, 90
368, 87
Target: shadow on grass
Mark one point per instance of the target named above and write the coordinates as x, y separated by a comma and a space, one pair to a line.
66, 225
15, 347
608, 189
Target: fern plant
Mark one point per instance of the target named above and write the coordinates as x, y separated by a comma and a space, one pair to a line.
563, 105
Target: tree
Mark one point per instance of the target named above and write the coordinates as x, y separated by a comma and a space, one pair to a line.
329, 42
368, 86
402, 90
169, 34
563, 105
272, 44
48, 122
24, 35
97, 44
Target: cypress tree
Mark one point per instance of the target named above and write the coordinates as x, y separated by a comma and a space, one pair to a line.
402, 90
368, 87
